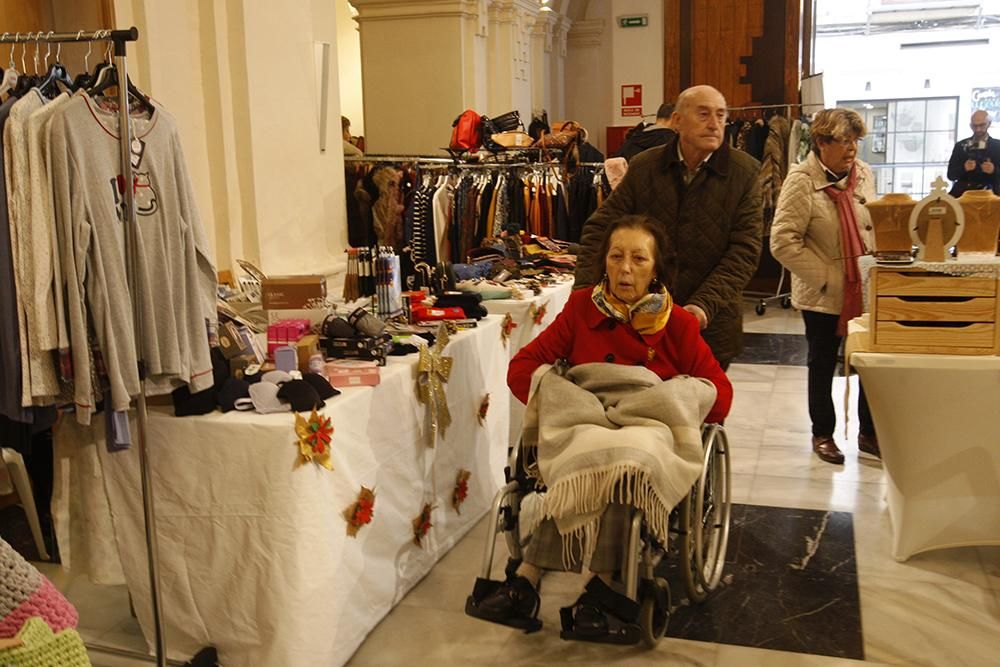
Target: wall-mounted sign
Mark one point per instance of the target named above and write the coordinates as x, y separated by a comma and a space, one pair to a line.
987, 99
640, 21
632, 99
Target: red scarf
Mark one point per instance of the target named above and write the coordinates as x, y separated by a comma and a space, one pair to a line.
851, 248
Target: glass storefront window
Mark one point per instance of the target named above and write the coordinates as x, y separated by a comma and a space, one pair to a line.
909, 141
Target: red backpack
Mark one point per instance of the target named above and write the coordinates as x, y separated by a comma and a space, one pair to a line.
466, 134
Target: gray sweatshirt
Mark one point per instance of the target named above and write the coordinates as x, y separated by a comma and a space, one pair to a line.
176, 278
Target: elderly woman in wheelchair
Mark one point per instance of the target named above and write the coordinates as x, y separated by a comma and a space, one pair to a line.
617, 389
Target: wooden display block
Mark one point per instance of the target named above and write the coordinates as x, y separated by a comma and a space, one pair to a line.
924, 312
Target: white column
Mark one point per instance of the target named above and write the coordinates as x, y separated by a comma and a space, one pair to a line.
509, 55
557, 66
421, 65
541, 63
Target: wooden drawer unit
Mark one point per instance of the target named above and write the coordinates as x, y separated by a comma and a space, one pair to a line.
934, 313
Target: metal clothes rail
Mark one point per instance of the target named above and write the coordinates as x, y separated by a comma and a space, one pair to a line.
119, 39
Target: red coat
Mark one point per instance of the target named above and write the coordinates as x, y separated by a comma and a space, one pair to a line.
582, 334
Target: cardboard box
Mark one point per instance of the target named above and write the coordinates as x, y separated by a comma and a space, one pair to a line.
306, 347
291, 291
352, 373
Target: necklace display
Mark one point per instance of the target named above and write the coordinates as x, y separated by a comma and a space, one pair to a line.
891, 220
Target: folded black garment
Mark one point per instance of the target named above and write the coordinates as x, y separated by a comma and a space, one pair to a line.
469, 302
322, 386
300, 395
233, 390
187, 404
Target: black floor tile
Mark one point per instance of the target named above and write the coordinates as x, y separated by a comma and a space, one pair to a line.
773, 349
790, 584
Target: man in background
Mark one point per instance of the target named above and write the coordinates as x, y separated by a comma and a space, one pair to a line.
974, 161
640, 138
706, 196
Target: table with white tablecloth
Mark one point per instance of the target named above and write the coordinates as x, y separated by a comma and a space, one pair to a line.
938, 425
254, 550
532, 316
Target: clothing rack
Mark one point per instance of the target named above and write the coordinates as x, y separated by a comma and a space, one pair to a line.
767, 106
119, 39
447, 162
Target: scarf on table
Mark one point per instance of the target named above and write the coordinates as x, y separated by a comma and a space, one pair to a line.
647, 315
851, 248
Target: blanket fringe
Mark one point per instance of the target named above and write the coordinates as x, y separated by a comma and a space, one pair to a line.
589, 492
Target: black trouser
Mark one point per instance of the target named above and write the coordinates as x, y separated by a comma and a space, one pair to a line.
824, 343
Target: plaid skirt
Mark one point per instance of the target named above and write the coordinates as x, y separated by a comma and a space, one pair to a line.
545, 550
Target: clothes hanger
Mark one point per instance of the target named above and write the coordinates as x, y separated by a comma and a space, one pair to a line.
10, 75
84, 78
56, 74
109, 78
26, 81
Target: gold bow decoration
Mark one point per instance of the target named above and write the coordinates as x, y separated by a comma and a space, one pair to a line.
484, 407
422, 524
507, 327
314, 439
433, 371
361, 511
539, 313
461, 490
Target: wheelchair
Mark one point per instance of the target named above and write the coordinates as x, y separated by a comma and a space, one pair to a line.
698, 535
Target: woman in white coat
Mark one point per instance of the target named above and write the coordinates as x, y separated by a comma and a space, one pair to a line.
820, 228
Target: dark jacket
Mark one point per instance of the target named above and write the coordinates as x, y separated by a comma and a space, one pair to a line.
975, 179
713, 224
640, 139
582, 334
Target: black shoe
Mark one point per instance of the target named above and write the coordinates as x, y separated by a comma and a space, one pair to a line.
515, 600
868, 446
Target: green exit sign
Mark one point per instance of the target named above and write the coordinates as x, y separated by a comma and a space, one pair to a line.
633, 21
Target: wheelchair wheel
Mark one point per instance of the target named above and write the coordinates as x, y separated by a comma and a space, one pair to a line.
705, 514
654, 614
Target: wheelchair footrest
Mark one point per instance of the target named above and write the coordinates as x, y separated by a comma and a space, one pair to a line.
601, 615
483, 589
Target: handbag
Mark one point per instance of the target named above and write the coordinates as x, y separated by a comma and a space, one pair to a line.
466, 133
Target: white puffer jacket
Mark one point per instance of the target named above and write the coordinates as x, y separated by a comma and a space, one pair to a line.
805, 234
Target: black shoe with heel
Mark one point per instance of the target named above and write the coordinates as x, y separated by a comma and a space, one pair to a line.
513, 603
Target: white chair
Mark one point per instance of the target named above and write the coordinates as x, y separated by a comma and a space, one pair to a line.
19, 476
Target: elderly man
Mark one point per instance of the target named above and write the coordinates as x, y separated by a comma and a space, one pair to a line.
705, 194
973, 163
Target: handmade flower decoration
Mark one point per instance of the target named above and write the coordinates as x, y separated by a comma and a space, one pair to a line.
361, 512
484, 407
507, 327
461, 491
314, 435
422, 524
540, 313
433, 371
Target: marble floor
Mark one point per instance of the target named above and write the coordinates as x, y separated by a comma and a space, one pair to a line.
939, 609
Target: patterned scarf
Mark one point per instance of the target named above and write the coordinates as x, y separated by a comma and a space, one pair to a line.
647, 315
851, 248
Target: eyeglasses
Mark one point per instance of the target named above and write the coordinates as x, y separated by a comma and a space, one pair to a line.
976, 126
847, 143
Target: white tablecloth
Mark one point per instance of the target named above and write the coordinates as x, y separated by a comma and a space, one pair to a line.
254, 553
522, 311
938, 424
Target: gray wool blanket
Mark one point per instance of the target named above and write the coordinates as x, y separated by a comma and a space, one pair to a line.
612, 433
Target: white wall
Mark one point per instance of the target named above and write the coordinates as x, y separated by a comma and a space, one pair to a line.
349, 66
852, 62
240, 79
637, 55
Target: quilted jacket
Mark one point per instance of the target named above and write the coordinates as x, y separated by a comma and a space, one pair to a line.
805, 234
714, 225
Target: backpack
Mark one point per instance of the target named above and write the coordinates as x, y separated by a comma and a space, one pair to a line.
466, 134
